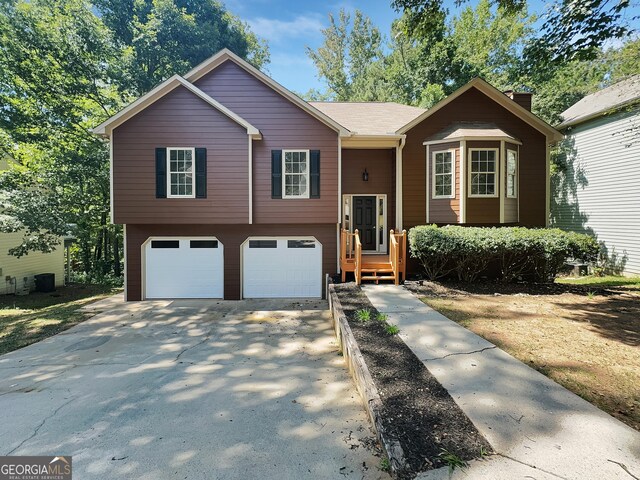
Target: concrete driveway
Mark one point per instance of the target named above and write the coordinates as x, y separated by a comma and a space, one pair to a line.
190, 390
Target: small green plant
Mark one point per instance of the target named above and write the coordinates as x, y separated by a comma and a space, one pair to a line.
483, 451
591, 294
385, 465
452, 460
382, 317
392, 329
363, 315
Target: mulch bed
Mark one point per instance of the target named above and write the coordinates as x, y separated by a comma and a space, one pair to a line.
448, 288
417, 410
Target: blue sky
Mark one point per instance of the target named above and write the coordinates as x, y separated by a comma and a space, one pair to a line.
290, 26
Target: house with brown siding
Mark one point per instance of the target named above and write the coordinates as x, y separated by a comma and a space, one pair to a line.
230, 186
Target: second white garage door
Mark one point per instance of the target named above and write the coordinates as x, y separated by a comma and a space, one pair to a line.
281, 267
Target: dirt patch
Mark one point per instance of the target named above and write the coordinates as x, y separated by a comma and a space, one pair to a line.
431, 428
586, 339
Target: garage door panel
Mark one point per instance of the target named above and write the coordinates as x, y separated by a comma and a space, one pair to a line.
186, 271
292, 269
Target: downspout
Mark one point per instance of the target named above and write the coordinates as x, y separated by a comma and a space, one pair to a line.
463, 181
339, 202
547, 205
250, 180
399, 219
501, 178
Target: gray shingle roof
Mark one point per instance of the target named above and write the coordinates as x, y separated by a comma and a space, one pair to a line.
369, 118
470, 129
607, 99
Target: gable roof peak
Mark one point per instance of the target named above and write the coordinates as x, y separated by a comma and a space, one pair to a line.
170, 84
500, 98
225, 54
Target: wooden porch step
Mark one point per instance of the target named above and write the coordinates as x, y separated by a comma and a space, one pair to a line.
373, 277
376, 265
376, 270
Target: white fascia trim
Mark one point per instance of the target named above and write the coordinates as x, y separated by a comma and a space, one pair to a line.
339, 184
111, 214
225, 54
400, 146
475, 139
490, 91
160, 91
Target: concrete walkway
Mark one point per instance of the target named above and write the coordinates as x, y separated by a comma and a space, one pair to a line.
539, 429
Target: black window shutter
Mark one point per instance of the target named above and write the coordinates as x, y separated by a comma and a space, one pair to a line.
314, 177
201, 173
161, 172
276, 173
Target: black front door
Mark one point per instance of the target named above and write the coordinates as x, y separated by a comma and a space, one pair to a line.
364, 215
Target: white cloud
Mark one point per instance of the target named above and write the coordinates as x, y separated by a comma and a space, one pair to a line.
278, 31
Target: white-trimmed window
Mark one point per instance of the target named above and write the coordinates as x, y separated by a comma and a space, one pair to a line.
295, 176
443, 174
512, 174
180, 166
483, 168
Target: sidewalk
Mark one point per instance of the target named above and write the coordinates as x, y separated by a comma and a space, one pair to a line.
539, 429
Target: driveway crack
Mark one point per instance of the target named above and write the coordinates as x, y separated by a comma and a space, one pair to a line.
37, 429
531, 466
459, 353
204, 340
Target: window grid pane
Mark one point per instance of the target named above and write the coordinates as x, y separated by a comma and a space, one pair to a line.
295, 174
511, 173
443, 178
483, 172
181, 172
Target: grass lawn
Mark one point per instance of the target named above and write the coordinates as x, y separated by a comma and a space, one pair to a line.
28, 319
582, 336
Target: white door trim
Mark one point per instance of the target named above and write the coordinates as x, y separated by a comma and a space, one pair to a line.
379, 248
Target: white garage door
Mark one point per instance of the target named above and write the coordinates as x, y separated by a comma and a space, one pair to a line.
281, 267
184, 268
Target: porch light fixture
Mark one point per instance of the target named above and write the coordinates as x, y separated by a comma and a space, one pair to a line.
365, 176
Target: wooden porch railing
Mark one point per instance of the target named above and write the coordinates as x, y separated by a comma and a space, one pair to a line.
352, 260
397, 255
350, 253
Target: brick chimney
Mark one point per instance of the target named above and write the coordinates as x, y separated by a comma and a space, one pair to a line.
521, 98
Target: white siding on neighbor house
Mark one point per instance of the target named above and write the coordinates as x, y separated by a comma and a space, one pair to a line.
28, 265
606, 154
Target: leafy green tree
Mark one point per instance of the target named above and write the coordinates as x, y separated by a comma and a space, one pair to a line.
572, 29
490, 42
63, 70
56, 59
348, 55
162, 37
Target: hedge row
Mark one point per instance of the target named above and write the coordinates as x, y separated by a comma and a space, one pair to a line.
507, 253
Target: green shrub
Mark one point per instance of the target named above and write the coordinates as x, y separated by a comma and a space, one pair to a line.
507, 253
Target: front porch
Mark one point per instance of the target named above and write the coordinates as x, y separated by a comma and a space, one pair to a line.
373, 267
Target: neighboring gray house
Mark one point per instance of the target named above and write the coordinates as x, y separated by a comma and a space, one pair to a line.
597, 186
